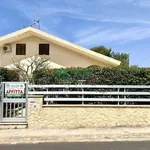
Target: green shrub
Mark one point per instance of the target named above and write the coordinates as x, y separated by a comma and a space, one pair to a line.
93, 75
8, 75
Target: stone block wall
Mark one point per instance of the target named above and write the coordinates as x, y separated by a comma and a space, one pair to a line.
86, 116
13, 126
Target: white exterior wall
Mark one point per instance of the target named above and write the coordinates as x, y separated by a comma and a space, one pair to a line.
58, 54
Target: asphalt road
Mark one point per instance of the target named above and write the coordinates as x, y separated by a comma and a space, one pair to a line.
81, 146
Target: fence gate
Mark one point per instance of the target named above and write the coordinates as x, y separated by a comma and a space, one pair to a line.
13, 102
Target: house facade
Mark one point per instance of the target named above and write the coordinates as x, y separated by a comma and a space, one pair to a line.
29, 42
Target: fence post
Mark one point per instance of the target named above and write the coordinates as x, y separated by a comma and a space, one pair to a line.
125, 96
47, 97
1, 100
118, 96
1, 93
27, 102
83, 96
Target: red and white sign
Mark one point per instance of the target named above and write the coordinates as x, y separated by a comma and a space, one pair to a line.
14, 89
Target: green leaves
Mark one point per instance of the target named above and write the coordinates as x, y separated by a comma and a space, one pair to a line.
8, 75
90, 75
102, 50
93, 75
123, 57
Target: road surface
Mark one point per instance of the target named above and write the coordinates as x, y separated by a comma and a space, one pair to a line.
145, 145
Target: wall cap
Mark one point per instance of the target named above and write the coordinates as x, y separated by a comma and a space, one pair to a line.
35, 96
101, 106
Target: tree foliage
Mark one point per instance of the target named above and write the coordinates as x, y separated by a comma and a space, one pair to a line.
8, 75
123, 57
102, 50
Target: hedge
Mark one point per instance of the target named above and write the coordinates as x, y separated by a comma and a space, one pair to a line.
93, 75
8, 75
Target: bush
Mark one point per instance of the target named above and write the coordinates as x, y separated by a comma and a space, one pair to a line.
93, 75
8, 75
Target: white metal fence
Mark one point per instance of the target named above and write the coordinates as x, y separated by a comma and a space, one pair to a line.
92, 94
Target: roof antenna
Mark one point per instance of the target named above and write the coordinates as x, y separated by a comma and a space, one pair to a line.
36, 21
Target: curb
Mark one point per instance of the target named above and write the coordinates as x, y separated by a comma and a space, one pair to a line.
73, 138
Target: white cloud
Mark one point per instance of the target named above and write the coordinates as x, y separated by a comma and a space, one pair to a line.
105, 36
51, 12
74, 9
87, 32
141, 3
110, 20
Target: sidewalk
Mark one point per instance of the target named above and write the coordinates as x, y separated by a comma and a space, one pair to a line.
73, 135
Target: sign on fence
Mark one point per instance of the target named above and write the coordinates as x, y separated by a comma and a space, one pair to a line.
14, 89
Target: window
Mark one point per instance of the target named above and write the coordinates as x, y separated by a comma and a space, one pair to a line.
20, 49
43, 49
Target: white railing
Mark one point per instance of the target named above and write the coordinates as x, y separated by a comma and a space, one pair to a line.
92, 94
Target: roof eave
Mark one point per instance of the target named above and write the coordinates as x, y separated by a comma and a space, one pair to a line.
64, 43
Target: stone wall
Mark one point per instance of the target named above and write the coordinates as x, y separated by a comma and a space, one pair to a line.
86, 116
13, 126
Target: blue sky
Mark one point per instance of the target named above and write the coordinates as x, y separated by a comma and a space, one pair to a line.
123, 25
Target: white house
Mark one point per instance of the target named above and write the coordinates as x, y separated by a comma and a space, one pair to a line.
30, 41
